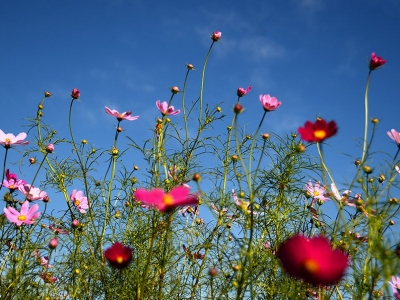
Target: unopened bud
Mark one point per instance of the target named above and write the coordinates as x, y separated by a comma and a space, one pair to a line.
219, 109
320, 202
49, 148
53, 243
367, 169
32, 160
213, 272
374, 120
391, 222
84, 142
229, 128
175, 90
234, 158
40, 106
46, 199
393, 201
357, 162
241, 194
265, 136
47, 94
381, 178
301, 148
190, 66
135, 168
196, 177
133, 180
75, 224
114, 152
294, 135
238, 108
236, 268
117, 214
119, 129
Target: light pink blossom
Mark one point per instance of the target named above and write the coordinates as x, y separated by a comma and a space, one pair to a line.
317, 192
397, 169
269, 103
25, 216
395, 283
31, 193
345, 198
80, 201
178, 196
8, 140
12, 182
121, 116
165, 110
395, 136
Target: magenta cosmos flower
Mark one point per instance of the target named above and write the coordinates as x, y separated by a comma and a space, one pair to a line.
31, 193
179, 196
118, 255
395, 283
165, 110
12, 182
312, 260
121, 116
376, 62
317, 192
242, 92
80, 202
395, 136
25, 216
216, 36
269, 103
318, 131
8, 140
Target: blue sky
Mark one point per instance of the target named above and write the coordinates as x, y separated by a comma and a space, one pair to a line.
312, 55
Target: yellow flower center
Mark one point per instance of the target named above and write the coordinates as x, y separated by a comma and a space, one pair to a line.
320, 134
168, 200
316, 193
311, 266
77, 202
8, 140
120, 259
21, 218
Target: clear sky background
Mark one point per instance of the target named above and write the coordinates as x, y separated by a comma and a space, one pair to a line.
312, 55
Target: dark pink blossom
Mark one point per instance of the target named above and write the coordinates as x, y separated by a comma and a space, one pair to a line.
75, 94
118, 255
121, 116
318, 131
376, 62
12, 182
242, 92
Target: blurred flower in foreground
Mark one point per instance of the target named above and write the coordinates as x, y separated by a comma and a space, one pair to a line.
75, 94
397, 169
318, 131
80, 201
31, 193
118, 255
395, 136
345, 198
312, 260
395, 283
241, 91
12, 182
8, 140
25, 216
376, 62
179, 196
48, 278
317, 192
165, 110
216, 36
121, 116
269, 103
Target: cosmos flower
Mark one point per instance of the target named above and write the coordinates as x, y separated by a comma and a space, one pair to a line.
165, 110
376, 62
242, 204
25, 216
395, 283
317, 192
31, 193
242, 92
12, 182
118, 255
8, 140
318, 131
80, 201
345, 198
216, 36
178, 196
121, 116
395, 136
269, 103
312, 260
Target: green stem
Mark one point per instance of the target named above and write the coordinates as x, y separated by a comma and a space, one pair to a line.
202, 82
364, 153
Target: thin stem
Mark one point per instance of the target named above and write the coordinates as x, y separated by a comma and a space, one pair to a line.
364, 153
202, 82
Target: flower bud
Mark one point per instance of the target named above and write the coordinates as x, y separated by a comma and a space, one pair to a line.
84, 142
393, 201
241, 194
265, 136
175, 90
53, 243
213, 272
32, 160
219, 109
119, 129
238, 108
75, 94
196, 177
236, 268
47, 94
75, 224
234, 158
133, 180
357, 162
294, 135
40, 106
381, 178
367, 169
216, 36
190, 66
391, 222
301, 148
49, 148
229, 128
135, 168
375, 121
117, 214
114, 152
46, 199
320, 202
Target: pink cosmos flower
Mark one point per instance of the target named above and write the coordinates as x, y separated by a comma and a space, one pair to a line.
12, 182
80, 202
242, 92
216, 36
25, 216
269, 103
397, 169
31, 193
395, 283
317, 192
178, 196
7, 140
376, 62
44, 260
121, 116
58, 230
395, 136
345, 198
165, 110
75, 94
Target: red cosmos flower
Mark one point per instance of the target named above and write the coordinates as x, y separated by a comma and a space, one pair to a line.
241, 91
312, 260
376, 62
75, 94
318, 131
118, 255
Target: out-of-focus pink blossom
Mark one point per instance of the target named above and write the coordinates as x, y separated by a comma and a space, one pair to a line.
242, 92
8, 140
80, 201
53, 243
397, 169
395, 136
25, 216
395, 283
31, 193
376, 61
118, 255
165, 110
216, 36
269, 103
12, 182
58, 230
318, 131
121, 116
243, 205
